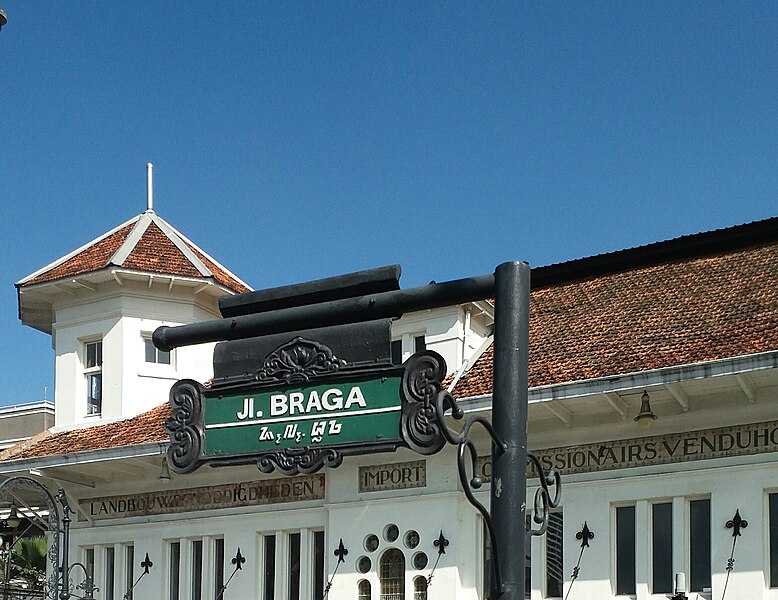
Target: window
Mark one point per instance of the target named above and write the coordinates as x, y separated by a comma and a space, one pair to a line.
174, 567
363, 590
294, 566
152, 354
699, 533
270, 567
218, 566
110, 571
773, 522
420, 588
129, 570
625, 550
397, 353
93, 370
318, 565
392, 574
197, 570
89, 562
486, 582
555, 578
406, 345
662, 548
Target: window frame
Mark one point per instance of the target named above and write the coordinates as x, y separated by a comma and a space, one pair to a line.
146, 337
652, 549
615, 547
93, 371
408, 345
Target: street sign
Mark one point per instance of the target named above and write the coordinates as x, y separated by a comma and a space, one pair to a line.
305, 408
329, 414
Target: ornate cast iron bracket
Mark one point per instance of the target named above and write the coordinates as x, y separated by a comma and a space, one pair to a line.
299, 361
736, 523
341, 553
465, 445
544, 500
146, 564
584, 535
440, 544
238, 561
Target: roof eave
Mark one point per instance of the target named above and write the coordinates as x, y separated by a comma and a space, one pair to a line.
11, 466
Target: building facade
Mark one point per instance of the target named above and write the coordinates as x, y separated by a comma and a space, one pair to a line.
684, 330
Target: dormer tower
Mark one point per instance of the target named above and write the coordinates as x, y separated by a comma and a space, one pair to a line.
100, 304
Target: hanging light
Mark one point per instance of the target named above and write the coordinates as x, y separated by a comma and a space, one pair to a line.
13, 520
164, 474
3, 18
646, 416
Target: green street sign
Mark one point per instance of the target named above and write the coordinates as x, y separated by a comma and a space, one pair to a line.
306, 409
330, 414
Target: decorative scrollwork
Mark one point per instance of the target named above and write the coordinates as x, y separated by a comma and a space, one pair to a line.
444, 402
18, 489
295, 461
298, 361
185, 426
421, 384
544, 501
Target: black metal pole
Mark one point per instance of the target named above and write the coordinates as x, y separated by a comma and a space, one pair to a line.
337, 312
509, 418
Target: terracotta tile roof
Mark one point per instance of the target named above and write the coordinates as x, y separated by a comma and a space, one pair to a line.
144, 428
156, 253
685, 310
219, 273
146, 243
662, 315
93, 258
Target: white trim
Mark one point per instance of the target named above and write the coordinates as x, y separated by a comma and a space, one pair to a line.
131, 241
70, 255
27, 408
208, 256
638, 380
83, 458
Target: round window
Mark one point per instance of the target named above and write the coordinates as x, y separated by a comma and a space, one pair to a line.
371, 543
391, 532
411, 539
420, 561
363, 564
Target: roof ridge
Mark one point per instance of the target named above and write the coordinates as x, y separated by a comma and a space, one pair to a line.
689, 246
208, 256
130, 241
75, 252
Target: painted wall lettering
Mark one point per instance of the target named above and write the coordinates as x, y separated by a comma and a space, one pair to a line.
254, 493
657, 450
397, 476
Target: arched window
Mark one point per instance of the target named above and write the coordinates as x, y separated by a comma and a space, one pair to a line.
363, 590
420, 588
392, 573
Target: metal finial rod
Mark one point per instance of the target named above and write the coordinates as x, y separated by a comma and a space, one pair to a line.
149, 187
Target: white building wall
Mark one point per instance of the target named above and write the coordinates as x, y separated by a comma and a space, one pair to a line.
120, 316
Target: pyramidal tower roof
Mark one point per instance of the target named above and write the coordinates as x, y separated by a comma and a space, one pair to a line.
145, 243
146, 246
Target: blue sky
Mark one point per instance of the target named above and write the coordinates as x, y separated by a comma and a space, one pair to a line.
294, 141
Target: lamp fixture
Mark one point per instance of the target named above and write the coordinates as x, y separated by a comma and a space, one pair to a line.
13, 520
646, 416
164, 474
3, 18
